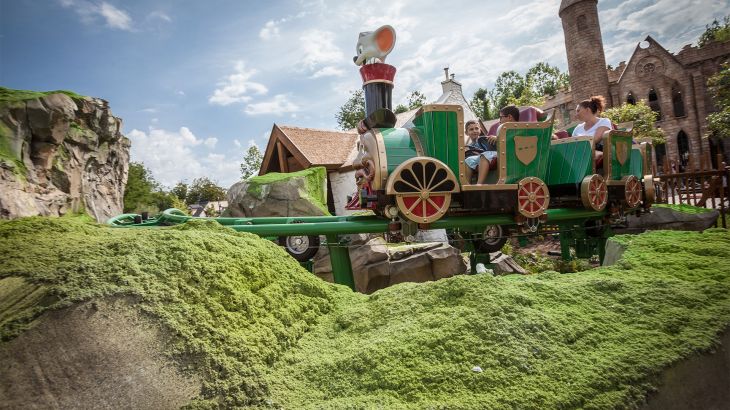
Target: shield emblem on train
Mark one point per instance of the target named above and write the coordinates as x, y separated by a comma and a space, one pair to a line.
526, 149
622, 151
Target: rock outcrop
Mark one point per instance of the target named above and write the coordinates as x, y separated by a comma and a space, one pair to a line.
60, 154
377, 266
662, 217
302, 193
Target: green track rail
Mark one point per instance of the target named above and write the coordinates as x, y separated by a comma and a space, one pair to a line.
333, 226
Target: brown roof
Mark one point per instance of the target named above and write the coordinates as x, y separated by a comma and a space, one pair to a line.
321, 147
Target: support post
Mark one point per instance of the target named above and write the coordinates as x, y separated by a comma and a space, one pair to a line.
340, 260
566, 239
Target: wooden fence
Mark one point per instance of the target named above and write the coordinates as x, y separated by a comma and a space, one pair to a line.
704, 185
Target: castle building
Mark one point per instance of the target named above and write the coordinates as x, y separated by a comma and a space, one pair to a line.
674, 85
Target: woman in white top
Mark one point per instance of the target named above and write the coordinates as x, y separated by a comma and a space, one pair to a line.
592, 125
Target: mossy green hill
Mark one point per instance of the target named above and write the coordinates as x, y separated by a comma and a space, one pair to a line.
261, 331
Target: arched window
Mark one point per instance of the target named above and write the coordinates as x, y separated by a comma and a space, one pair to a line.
654, 103
683, 149
630, 98
661, 153
582, 22
677, 102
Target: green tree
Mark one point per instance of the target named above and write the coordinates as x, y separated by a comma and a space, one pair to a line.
509, 85
544, 79
482, 106
643, 118
203, 190
352, 111
719, 88
180, 191
416, 99
251, 162
140, 189
715, 32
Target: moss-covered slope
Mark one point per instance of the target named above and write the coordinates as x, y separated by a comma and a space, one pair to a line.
262, 331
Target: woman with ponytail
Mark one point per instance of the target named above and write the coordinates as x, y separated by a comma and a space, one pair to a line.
588, 111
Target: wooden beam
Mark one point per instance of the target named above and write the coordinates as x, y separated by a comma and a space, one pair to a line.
282, 157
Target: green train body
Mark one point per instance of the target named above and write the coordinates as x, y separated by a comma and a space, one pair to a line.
419, 171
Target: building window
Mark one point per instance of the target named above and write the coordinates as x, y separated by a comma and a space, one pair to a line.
683, 150
678, 102
630, 98
654, 103
582, 22
661, 153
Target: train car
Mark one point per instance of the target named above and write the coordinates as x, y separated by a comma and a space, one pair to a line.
419, 171
572, 177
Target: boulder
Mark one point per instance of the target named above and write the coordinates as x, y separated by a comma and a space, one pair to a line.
302, 193
667, 218
61, 154
376, 266
503, 264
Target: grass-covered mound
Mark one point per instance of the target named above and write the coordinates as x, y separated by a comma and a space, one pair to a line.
687, 209
261, 331
594, 339
231, 302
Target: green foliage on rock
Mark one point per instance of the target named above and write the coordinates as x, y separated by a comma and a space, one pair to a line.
263, 332
10, 96
643, 118
687, 209
314, 184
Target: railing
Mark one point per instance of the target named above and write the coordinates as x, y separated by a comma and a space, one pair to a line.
702, 186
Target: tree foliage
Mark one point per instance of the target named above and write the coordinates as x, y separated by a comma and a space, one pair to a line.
144, 194
719, 88
416, 99
251, 162
180, 190
352, 111
643, 118
715, 32
513, 88
204, 190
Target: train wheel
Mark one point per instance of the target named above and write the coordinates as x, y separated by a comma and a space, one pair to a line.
300, 247
594, 192
493, 239
422, 189
533, 197
632, 190
649, 190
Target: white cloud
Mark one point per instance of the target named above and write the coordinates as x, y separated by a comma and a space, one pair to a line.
237, 143
114, 17
237, 87
174, 156
159, 15
269, 31
329, 71
319, 49
210, 142
91, 12
279, 105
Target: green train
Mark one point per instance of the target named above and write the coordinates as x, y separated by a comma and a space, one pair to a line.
418, 172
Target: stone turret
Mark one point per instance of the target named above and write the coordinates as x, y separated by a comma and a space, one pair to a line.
584, 47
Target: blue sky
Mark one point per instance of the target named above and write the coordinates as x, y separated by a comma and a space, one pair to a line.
197, 82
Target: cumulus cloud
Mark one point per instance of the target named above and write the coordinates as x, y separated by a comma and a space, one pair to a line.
278, 106
319, 50
174, 156
114, 17
158, 15
237, 87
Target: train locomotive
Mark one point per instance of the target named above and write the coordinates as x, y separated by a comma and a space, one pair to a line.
417, 173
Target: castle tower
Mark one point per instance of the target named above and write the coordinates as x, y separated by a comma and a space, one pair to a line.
584, 46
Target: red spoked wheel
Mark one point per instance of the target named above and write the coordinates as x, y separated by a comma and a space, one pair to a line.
633, 191
423, 188
533, 197
594, 192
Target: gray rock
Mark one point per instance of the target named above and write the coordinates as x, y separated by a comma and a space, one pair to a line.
504, 264
53, 171
667, 218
